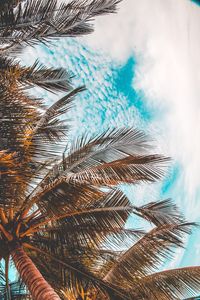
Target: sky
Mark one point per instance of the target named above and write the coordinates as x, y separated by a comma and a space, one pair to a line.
141, 68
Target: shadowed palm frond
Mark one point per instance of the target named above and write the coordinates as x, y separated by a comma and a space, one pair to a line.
70, 274
160, 212
99, 218
170, 284
148, 253
48, 132
39, 21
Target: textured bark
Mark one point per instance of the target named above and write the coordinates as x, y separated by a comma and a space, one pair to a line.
37, 285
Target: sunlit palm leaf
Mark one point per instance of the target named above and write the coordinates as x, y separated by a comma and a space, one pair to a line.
36, 75
131, 169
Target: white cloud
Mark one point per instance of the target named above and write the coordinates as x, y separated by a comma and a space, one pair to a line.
164, 37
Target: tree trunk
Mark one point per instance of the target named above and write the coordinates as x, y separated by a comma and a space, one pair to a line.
37, 285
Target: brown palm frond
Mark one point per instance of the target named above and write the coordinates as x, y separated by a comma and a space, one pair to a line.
170, 284
51, 79
131, 169
108, 159
101, 219
17, 111
160, 212
68, 199
148, 253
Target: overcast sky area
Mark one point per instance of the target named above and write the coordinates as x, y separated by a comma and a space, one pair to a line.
142, 69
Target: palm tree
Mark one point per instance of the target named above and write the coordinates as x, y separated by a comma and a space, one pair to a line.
61, 217
62, 213
54, 214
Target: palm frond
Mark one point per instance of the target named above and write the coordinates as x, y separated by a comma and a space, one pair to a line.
39, 21
148, 253
109, 146
17, 111
170, 284
131, 169
99, 218
109, 159
71, 273
36, 75
160, 212
56, 110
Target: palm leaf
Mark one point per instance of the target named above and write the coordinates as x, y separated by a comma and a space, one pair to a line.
106, 147
109, 159
111, 145
39, 75
71, 273
160, 212
46, 133
105, 213
56, 110
170, 284
41, 20
131, 169
148, 253
17, 111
